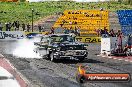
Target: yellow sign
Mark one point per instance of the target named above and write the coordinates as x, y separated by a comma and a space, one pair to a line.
89, 20
89, 39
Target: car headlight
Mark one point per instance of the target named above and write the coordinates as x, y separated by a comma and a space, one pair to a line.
62, 52
82, 52
56, 53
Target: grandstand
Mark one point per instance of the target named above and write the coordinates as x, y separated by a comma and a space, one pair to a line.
88, 21
125, 19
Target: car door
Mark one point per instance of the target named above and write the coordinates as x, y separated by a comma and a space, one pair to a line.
43, 46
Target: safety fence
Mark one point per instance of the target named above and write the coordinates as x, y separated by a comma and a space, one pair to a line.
15, 35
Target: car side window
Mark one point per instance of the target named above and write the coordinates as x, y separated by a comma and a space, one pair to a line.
44, 40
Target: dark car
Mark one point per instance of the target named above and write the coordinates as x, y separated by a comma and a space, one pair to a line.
61, 46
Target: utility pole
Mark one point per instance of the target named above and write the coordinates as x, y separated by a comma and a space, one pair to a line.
32, 19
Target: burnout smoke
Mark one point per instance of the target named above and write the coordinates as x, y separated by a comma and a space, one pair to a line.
25, 49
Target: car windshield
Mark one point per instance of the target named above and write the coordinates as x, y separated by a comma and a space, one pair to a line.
62, 38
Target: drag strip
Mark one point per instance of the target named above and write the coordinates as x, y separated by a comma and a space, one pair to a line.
44, 73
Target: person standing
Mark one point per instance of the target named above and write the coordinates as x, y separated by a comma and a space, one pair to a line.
112, 33
7, 26
23, 27
119, 41
17, 25
28, 27
40, 28
1, 26
52, 31
106, 31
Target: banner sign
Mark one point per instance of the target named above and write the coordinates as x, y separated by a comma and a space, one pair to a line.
34, 34
89, 39
11, 35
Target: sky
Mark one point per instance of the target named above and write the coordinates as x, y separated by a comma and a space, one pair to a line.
74, 0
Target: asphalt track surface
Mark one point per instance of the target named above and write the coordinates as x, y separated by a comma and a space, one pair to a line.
44, 73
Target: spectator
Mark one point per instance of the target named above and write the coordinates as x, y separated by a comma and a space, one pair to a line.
52, 31
1, 26
118, 33
23, 27
101, 32
119, 41
40, 28
43, 30
66, 31
28, 27
7, 26
106, 31
14, 25
17, 25
76, 32
125, 49
129, 41
112, 34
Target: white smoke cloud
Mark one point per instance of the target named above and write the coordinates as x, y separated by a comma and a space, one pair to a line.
24, 48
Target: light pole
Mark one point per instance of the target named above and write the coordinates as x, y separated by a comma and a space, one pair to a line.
32, 19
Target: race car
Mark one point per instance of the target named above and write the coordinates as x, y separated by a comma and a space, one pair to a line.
61, 46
